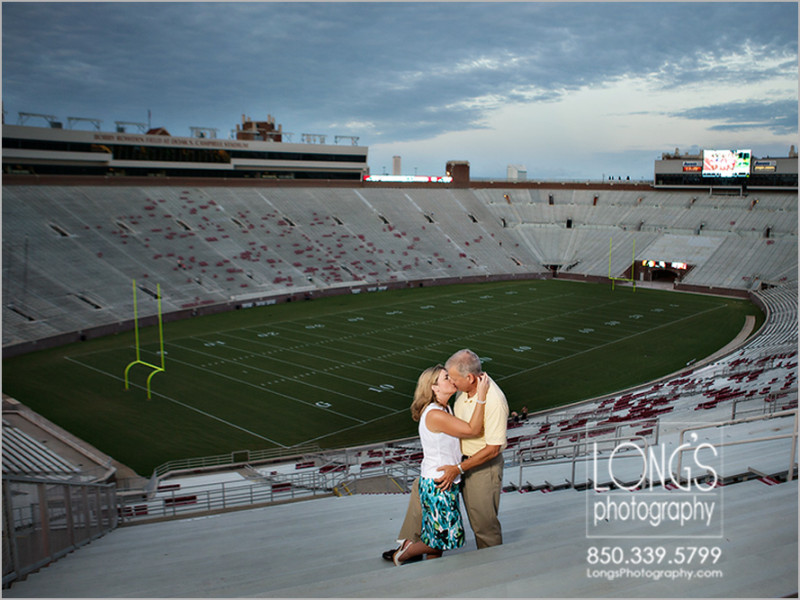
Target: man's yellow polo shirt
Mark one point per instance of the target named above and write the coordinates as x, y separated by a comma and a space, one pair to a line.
495, 419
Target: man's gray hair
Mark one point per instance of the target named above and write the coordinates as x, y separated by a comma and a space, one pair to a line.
465, 362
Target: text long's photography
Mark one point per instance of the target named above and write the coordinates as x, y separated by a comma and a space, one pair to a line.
655, 511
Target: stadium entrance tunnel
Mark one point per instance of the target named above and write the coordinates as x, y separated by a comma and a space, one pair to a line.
554, 269
662, 271
663, 275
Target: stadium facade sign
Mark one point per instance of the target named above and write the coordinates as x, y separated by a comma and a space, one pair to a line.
765, 165
726, 168
56, 151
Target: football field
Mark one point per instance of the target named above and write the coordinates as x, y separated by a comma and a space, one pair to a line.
342, 370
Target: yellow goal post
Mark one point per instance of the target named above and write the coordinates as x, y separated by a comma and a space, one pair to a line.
139, 361
630, 279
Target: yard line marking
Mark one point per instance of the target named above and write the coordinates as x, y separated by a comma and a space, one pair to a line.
349, 340
411, 304
316, 341
335, 362
319, 437
287, 323
627, 337
419, 323
524, 324
533, 368
295, 379
183, 404
258, 387
316, 357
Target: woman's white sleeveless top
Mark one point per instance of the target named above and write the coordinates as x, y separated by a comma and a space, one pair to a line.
438, 449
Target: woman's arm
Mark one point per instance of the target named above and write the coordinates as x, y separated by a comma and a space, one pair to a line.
439, 421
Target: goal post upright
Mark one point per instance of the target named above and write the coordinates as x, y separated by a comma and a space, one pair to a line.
161, 326
136, 316
630, 279
139, 361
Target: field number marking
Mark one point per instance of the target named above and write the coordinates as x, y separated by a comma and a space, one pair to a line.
324, 404
315, 326
556, 339
586, 330
383, 387
268, 334
522, 348
211, 344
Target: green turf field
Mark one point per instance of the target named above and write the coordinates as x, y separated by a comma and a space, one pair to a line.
341, 371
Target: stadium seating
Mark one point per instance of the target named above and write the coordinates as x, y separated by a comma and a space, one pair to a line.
72, 252
226, 237
24, 455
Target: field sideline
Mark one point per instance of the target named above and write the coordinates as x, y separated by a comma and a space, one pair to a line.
341, 371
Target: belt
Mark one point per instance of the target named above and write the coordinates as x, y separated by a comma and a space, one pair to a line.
465, 457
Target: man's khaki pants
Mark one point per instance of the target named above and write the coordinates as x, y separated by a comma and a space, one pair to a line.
481, 490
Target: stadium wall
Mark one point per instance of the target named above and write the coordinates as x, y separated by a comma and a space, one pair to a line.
222, 307
132, 181
717, 291
212, 309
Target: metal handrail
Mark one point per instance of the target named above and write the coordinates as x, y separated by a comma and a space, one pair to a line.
776, 415
580, 447
261, 488
231, 458
44, 519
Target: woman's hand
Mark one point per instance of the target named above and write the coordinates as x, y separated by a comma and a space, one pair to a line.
483, 386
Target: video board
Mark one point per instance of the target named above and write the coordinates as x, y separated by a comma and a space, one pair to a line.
408, 178
726, 163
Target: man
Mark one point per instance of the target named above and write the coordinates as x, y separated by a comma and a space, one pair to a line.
482, 463
481, 467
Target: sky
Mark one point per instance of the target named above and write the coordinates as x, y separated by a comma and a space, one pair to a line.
569, 91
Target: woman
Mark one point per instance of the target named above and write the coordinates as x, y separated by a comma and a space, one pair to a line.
439, 432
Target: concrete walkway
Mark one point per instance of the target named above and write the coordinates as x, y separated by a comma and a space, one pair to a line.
331, 547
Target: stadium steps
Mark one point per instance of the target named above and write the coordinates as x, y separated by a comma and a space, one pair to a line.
331, 548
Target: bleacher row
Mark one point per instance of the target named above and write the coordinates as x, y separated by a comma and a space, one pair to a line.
23, 455
574, 231
677, 211
330, 547
72, 252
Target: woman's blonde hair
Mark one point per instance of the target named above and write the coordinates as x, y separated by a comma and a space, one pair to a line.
424, 395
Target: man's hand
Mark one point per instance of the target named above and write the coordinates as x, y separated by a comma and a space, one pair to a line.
446, 480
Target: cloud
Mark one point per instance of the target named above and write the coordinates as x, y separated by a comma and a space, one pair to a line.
397, 72
778, 116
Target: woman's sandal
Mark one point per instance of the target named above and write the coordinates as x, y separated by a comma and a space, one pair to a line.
405, 545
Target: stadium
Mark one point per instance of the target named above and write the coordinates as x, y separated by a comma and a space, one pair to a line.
210, 347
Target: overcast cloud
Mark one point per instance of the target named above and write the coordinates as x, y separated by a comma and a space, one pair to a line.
570, 90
